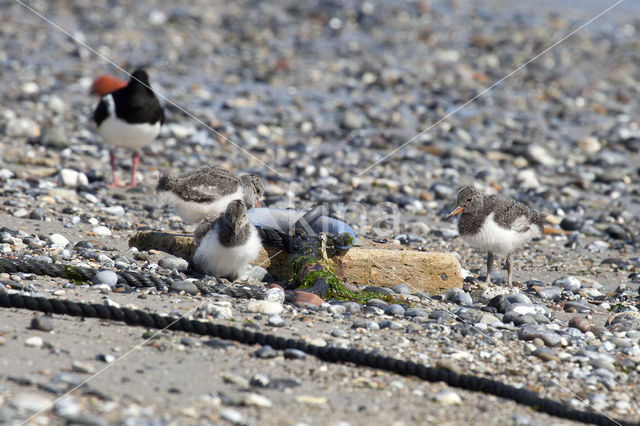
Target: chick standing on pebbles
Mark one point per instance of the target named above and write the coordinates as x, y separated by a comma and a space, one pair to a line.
498, 225
206, 192
227, 244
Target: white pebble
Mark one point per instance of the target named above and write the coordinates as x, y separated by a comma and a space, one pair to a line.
256, 400
447, 397
102, 231
34, 342
58, 239
264, 307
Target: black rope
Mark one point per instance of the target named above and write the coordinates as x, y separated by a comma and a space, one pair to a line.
326, 353
131, 278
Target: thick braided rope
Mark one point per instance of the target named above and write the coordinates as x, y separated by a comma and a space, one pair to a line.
326, 353
134, 279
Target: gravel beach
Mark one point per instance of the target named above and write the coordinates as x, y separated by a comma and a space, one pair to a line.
377, 110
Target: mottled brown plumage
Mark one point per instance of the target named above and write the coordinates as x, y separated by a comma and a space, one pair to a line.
206, 192
498, 225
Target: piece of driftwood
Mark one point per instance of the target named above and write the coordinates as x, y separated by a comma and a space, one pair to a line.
433, 272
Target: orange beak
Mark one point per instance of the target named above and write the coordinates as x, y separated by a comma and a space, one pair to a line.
457, 210
257, 204
106, 84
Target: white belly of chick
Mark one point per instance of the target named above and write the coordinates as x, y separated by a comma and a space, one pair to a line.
220, 261
496, 239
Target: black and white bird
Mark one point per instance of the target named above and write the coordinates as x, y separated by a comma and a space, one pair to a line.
226, 245
131, 118
495, 224
207, 191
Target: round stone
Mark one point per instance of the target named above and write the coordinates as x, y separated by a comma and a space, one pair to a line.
58, 239
101, 231
173, 262
109, 278
186, 286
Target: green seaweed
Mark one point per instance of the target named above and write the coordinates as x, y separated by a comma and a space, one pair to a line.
73, 275
315, 254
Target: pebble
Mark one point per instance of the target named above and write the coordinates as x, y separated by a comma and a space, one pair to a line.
447, 397
173, 262
301, 298
256, 400
101, 231
232, 416
529, 332
266, 352
185, 285
70, 178
109, 278
43, 323
57, 239
264, 307
34, 342
458, 296
291, 353
275, 320
580, 323
83, 367
394, 309
275, 294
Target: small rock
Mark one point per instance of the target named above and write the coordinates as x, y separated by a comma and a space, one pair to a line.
300, 297
101, 231
70, 178
275, 294
580, 323
266, 352
447, 397
109, 278
186, 286
58, 239
83, 367
264, 307
256, 400
275, 320
43, 323
34, 342
394, 309
37, 214
291, 353
173, 262
232, 416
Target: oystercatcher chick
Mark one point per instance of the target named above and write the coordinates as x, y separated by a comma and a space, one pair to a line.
105, 83
129, 117
498, 225
207, 191
226, 245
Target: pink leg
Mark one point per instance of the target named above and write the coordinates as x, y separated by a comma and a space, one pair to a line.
112, 159
134, 166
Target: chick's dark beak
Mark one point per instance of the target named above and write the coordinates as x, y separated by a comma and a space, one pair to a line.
236, 227
456, 211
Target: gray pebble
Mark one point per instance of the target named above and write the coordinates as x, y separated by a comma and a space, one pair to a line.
338, 332
291, 353
186, 286
109, 278
394, 309
266, 352
415, 312
275, 320
43, 323
173, 262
